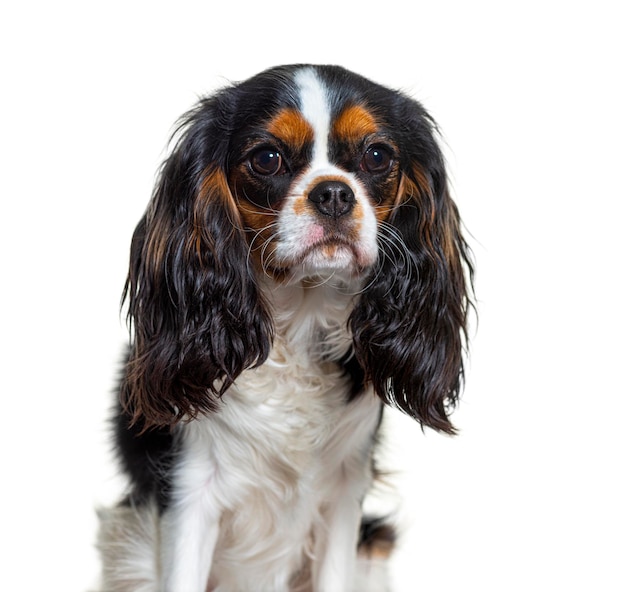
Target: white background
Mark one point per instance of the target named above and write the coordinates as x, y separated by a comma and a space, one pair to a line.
530, 98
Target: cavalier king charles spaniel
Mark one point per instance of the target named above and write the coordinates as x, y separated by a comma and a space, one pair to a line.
299, 266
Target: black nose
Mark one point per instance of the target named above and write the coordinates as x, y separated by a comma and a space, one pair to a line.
332, 198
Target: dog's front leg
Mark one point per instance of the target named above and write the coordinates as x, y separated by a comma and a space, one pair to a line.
189, 533
336, 571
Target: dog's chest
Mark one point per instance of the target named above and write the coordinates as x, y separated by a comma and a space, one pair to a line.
283, 419
281, 448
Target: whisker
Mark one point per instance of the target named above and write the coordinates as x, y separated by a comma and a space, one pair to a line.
258, 234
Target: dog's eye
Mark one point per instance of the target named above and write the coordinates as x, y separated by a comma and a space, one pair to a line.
376, 160
267, 162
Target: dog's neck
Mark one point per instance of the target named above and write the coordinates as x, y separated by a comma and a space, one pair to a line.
311, 314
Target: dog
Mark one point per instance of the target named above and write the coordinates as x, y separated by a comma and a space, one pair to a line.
299, 267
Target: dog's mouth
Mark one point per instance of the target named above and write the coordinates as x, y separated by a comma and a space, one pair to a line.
331, 252
328, 256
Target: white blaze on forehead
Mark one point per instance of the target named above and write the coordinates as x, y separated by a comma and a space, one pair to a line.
315, 109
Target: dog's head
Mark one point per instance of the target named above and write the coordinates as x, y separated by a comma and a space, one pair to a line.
301, 172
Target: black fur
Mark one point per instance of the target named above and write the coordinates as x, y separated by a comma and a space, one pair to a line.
194, 306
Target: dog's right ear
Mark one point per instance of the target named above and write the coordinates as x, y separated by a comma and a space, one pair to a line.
410, 324
196, 315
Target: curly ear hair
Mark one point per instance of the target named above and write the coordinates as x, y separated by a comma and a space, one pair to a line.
195, 311
410, 323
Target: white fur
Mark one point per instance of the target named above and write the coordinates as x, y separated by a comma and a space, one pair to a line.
128, 541
315, 109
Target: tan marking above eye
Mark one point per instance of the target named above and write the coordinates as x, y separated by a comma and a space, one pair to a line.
353, 124
290, 127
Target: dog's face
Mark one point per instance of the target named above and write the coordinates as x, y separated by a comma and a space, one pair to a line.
314, 178
299, 173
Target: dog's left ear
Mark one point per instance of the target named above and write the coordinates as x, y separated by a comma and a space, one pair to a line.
410, 323
197, 316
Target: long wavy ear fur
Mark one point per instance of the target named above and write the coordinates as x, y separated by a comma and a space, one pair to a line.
195, 311
409, 325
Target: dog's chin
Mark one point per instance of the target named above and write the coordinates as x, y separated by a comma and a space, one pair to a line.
334, 257
331, 260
